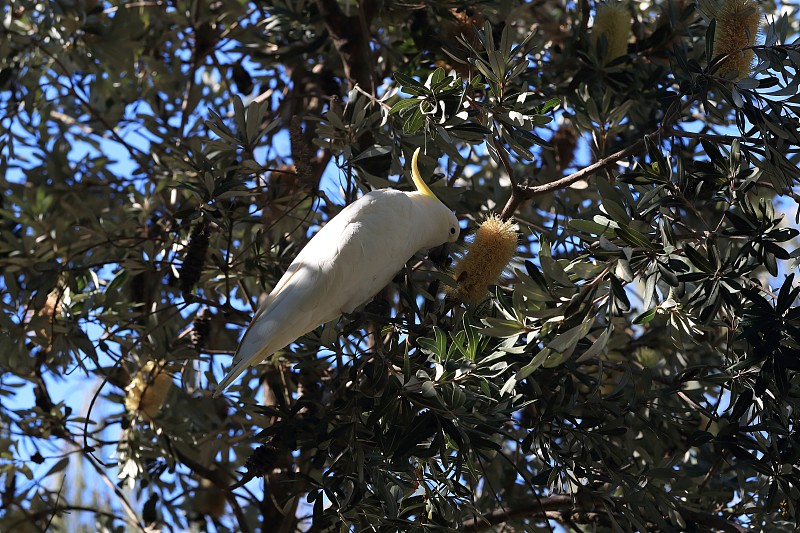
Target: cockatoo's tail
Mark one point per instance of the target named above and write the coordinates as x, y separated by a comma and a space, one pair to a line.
355, 255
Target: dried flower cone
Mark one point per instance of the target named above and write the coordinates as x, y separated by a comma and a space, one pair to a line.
464, 24
195, 256
614, 21
486, 258
201, 328
148, 390
564, 141
737, 27
302, 153
209, 499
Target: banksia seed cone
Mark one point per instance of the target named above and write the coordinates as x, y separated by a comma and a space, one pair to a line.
195, 257
262, 460
209, 499
302, 154
242, 78
614, 21
737, 26
148, 390
201, 327
486, 258
564, 142
460, 23
464, 24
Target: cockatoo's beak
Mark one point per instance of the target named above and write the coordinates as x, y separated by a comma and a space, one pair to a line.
418, 181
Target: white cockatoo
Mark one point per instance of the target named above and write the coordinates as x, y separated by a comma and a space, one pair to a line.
353, 257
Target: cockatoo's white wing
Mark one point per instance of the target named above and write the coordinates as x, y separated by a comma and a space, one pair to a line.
348, 261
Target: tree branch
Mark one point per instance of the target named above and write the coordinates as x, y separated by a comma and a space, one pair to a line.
563, 508
350, 41
535, 507
707, 519
520, 193
219, 478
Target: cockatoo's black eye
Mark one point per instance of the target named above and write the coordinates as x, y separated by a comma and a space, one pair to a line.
452, 231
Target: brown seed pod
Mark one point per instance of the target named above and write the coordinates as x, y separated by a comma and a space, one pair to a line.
242, 78
564, 141
460, 23
302, 153
201, 327
737, 28
463, 25
262, 460
209, 499
195, 257
486, 257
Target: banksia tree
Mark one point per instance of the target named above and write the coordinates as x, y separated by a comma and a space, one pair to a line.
485, 259
736, 31
639, 371
613, 20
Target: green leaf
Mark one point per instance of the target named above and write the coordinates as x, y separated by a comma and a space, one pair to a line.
406, 103
372, 151
563, 345
410, 85
498, 327
710, 32
414, 122
698, 259
597, 347
646, 317
634, 238
554, 271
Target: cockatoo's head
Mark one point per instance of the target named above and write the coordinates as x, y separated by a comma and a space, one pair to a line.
444, 224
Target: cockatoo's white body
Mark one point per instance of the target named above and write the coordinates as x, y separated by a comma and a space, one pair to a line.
354, 256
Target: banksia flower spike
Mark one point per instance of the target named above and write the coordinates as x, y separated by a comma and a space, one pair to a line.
148, 390
737, 27
486, 258
614, 21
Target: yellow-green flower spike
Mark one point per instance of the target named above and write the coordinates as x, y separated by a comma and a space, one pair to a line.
737, 27
614, 21
494, 245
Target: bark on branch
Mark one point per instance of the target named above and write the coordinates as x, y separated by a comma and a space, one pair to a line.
563, 508
521, 193
534, 508
350, 39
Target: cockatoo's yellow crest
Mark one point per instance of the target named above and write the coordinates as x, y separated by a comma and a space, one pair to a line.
418, 181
